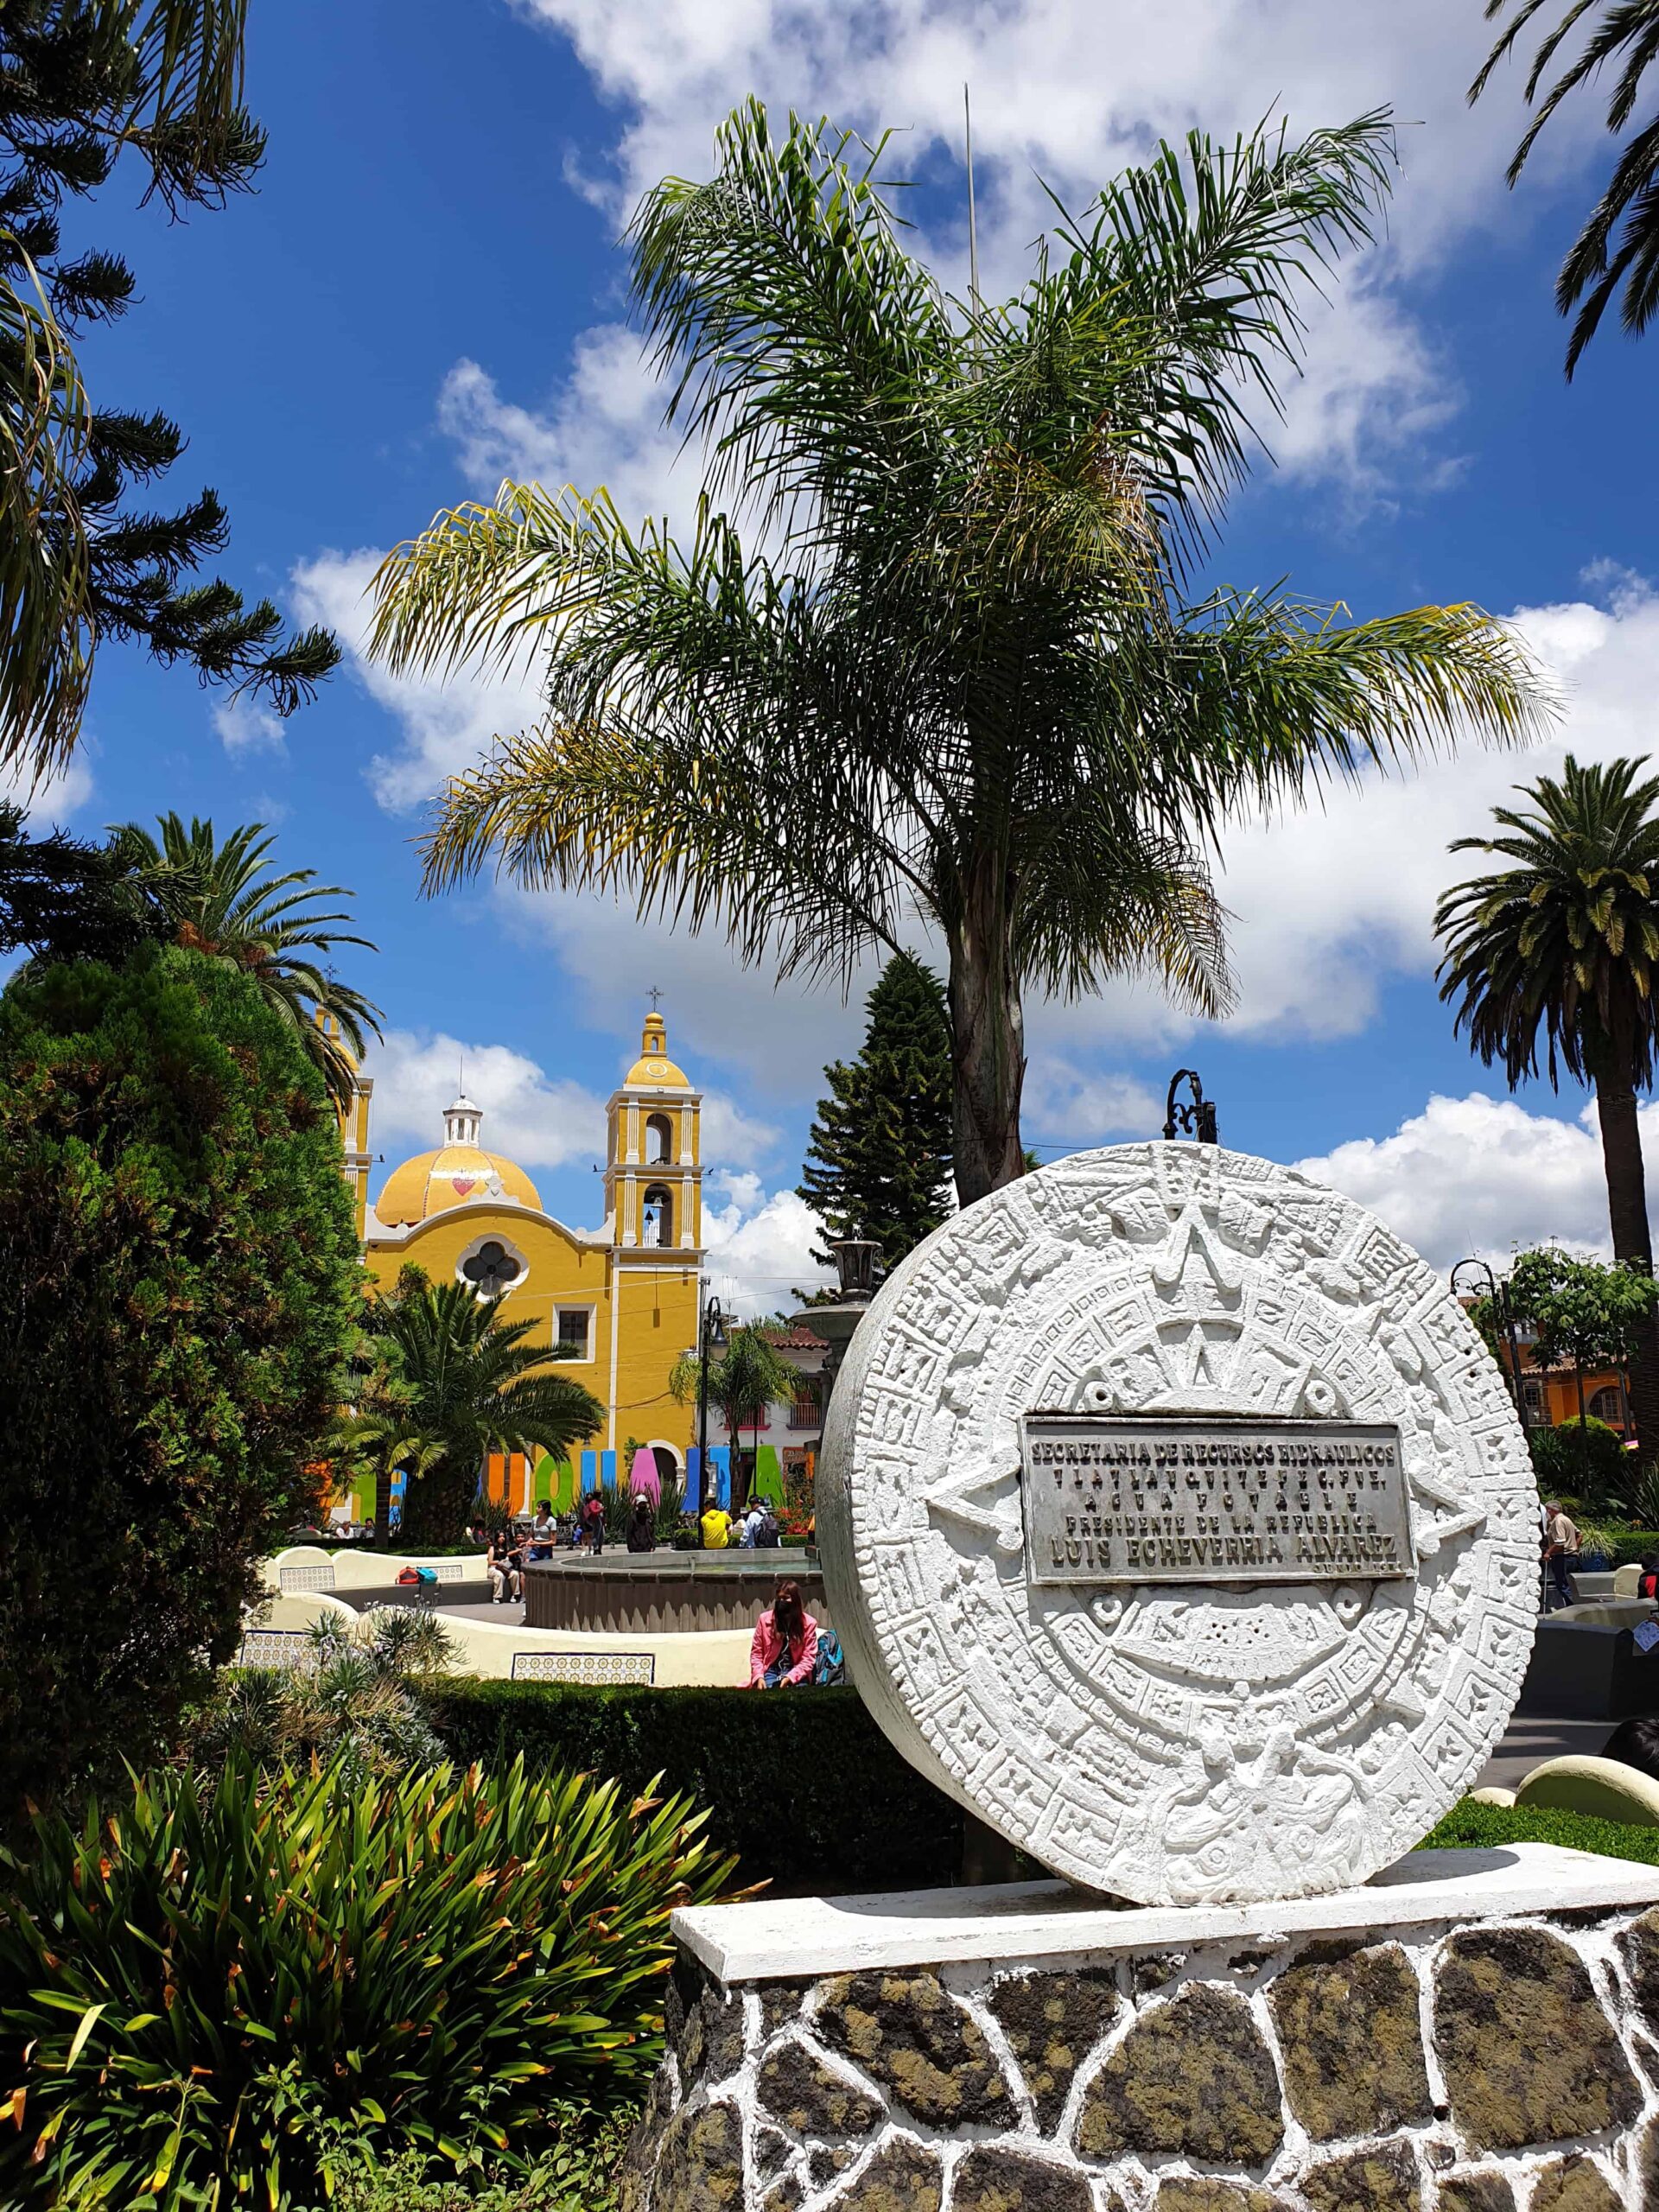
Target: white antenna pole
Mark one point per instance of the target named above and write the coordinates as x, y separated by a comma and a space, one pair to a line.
973, 224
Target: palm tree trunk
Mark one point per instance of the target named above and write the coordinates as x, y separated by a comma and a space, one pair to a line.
383, 1505
988, 1032
1627, 1211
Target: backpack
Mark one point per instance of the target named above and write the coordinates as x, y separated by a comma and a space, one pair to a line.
831, 1666
765, 1536
409, 1576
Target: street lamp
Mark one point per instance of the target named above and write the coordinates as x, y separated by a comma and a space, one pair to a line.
1191, 1118
1503, 1314
711, 1339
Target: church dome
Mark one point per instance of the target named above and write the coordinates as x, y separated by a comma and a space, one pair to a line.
460, 1173
653, 1070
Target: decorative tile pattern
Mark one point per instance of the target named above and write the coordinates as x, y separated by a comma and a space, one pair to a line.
307, 1578
275, 1647
584, 1667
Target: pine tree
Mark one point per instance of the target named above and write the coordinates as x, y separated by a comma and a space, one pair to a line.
878, 1160
82, 83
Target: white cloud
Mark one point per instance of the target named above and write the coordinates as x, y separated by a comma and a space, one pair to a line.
603, 425
1479, 1176
1332, 903
445, 723
49, 799
538, 1121
1076, 1108
760, 1248
1071, 91
244, 726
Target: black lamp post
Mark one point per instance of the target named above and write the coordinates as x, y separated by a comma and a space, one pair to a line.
1497, 1293
1190, 1117
711, 1339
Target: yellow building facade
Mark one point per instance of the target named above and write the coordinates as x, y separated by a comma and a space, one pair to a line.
624, 1296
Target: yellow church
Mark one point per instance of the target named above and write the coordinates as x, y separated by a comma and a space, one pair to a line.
624, 1297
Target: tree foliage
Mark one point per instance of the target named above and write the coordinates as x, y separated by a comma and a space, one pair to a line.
971, 677
1618, 244
1582, 1312
62, 898
1558, 951
467, 1381
878, 1161
82, 83
178, 1263
222, 899
749, 1376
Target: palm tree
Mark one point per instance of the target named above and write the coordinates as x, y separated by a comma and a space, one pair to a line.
1561, 947
1625, 30
472, 1384
385, 1442
969, 682
223, 900
749, 1376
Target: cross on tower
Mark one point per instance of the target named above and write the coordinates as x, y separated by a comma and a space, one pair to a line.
655, 996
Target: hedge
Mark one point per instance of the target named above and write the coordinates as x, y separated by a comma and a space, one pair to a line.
803, 1786
1471, 1827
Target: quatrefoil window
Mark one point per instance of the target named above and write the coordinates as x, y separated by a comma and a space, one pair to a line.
491, 1267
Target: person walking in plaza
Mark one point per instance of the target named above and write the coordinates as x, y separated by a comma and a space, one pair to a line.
592, 1521
783, 1652
642, 1525
1561, 1550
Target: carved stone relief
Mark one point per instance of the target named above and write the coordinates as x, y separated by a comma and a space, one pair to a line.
1165, 1740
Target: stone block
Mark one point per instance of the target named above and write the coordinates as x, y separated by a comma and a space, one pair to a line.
1052, 2021
1475, 2193
1527, 2053
1196, 2193
1574, 2184
708, 2039
799, 2089
909, 2033
700, 2166
901, 2177
991, 2180
1350, 2043
1191, 2075
1383, 2179
1639, 1949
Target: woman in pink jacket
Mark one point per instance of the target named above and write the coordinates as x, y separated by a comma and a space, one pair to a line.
786, 1647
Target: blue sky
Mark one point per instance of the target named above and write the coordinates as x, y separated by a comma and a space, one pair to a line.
426, 292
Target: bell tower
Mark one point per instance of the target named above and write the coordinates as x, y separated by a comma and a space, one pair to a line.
653, 1158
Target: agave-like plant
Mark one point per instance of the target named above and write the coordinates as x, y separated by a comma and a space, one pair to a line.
212, 1978
223, 899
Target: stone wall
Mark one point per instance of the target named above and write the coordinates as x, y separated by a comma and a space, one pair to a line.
1511, 2066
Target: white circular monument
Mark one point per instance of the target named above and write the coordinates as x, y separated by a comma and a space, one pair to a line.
1177, 1523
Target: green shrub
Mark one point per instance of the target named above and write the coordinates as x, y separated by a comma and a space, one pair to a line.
178, 1292
1470, 1827
1591, 1462
352, 1706
803, 1788
578, 2176
207, 1980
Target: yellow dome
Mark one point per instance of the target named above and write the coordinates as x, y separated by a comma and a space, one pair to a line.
653, 1070
460, 1173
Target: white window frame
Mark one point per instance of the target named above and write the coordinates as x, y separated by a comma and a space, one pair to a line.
578, 1306
472, 1251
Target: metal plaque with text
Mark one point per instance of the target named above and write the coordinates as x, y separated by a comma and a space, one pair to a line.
1178, 1497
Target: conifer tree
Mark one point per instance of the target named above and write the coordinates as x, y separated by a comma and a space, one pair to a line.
82, 83
878, 1162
